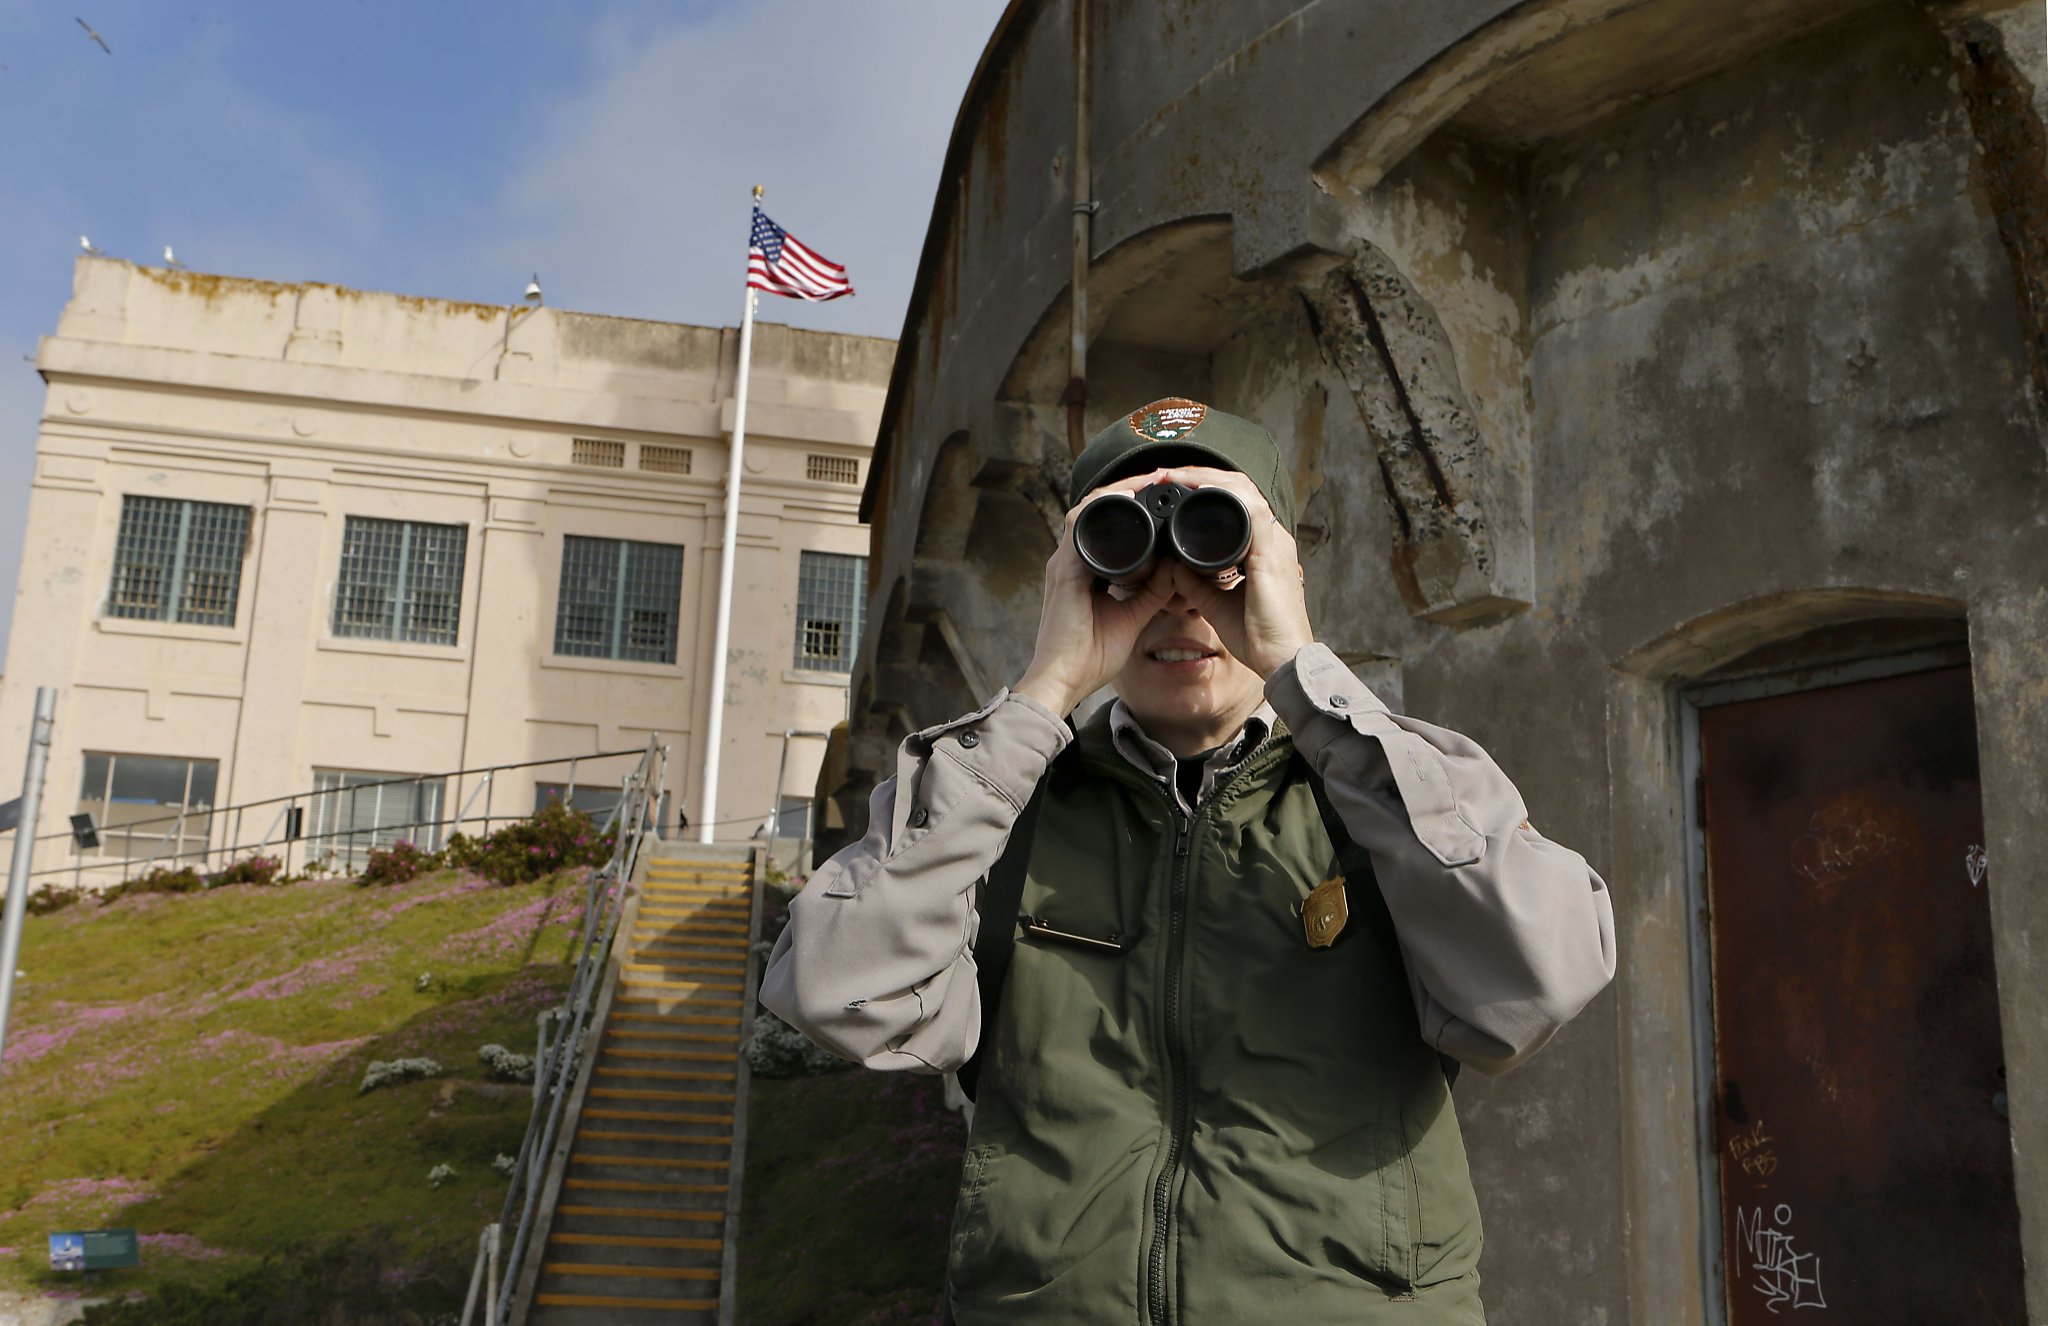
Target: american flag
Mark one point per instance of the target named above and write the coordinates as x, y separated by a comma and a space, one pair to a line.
778, 263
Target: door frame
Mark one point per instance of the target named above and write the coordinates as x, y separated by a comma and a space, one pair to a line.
1691, 699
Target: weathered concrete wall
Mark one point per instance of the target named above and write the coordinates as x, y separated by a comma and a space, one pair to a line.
1610, 340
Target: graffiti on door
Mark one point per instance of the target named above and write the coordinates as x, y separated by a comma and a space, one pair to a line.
1772, 1262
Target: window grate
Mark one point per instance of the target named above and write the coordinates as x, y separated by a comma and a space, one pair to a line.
657, 459
598, 452
400, 580
832, 469
619, 599
176, 560
830, 601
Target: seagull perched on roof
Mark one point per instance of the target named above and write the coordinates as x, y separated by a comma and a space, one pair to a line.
170, 258
88, 246
95, 36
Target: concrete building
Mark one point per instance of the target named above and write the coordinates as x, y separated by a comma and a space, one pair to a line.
1664, 382
287, 537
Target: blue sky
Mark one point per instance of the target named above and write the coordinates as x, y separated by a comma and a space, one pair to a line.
453, 148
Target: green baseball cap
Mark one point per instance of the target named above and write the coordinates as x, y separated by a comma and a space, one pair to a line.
1177, 424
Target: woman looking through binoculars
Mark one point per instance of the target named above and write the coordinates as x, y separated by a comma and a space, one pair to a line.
1209, 963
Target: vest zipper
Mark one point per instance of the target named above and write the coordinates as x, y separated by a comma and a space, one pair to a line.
1176, 1067
1176, 1047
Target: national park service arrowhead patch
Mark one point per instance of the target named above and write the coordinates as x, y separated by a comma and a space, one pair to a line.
1324, 912
1169, 420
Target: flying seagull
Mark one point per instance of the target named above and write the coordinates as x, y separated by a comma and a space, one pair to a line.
88, 246
95, 36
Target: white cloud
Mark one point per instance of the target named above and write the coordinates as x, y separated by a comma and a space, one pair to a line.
633, 199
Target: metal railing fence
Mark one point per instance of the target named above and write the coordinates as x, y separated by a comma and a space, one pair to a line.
557, 1054
292, 823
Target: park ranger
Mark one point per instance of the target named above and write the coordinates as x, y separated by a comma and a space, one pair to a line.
1251, 923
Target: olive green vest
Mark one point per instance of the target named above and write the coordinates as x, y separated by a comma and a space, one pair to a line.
1219, 1124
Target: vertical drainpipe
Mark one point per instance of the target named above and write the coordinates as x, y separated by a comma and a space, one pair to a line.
1076, 398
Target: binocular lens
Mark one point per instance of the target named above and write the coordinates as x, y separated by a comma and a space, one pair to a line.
1211, 530
1114, 535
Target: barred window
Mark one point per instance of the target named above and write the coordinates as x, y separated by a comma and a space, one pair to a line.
598, 452
400, 580
830, 597
620, 599
178, 561
659, 459
832, 469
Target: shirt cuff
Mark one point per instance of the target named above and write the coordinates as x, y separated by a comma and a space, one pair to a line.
1315, 685
1007, 743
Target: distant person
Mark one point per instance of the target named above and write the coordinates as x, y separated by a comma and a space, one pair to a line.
1264, 919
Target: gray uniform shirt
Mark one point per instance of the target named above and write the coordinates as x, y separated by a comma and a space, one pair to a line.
1506, 935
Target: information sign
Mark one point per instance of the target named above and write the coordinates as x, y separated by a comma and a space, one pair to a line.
95, 1250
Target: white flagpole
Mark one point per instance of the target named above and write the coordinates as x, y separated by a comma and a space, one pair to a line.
707, 806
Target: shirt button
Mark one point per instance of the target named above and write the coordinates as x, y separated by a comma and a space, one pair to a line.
1340, 702
970, 738
918, 817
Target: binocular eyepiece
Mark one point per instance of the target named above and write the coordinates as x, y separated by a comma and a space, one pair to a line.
1122, 536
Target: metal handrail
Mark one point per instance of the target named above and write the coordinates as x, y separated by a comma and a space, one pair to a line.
555, 1065
207, 851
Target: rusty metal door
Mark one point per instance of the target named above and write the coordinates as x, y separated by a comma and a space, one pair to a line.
1865, 1163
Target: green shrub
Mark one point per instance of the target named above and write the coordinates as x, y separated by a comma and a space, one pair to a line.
262, 871
158, 879
556, 838
401, 863
54, 898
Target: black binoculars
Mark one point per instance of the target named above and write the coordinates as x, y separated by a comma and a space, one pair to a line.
1122, 536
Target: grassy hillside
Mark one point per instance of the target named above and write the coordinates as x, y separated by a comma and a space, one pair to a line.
188, 1066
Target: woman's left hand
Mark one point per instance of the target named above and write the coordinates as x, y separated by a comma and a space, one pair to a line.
1262, 618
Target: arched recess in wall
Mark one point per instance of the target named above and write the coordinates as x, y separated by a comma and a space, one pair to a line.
1448, 211
1547, 67
1160, 304
1663, 1028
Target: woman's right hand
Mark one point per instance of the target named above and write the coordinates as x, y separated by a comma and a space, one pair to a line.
1085, 634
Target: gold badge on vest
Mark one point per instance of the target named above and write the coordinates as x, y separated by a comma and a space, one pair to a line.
1324, 912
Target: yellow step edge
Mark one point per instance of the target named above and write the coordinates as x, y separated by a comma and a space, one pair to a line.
645, 1116
695, 1037
611, 1301
641, 1213
682, 1097
677, 1139
685, 966
632, 1272
682, 1056
697, 1001
643, 983
663, 1074
679, 1162
636, 1185
682, 1020
640, 1241
693, 925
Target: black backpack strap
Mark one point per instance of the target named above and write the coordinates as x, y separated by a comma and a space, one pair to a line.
1354, 863
1002, 893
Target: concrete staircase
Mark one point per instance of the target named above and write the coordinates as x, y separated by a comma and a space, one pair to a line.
640, 1218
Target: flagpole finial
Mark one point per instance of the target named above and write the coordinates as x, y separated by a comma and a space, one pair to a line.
758, 191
